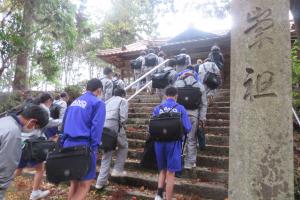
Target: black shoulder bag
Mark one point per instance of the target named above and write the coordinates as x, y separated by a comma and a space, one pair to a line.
70, 163
189, 96
167, 126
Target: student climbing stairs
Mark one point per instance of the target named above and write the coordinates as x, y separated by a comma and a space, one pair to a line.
207, 181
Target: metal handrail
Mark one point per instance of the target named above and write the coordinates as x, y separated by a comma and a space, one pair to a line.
146, 74
139, 91
296, 116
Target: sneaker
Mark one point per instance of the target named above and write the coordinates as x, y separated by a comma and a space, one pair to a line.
157, 197
189, 166
101, 187
116, 173
39, 194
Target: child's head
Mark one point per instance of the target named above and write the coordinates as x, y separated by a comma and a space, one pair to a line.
34, 117
171, 92
108, 72
120, 92
95, 86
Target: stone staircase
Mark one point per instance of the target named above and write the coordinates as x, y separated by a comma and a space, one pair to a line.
207, 181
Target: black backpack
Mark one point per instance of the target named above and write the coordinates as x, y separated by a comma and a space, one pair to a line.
151, 60
167, 126
160, 80
212, 80
180, 59
55, 111
189, 96
136, 64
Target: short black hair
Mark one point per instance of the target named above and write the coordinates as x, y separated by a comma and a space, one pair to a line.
43, 97
172, 62
143, 53
93, 84
107, 70
190, 67
161, 54
171, 92
36, 112
63, 94
119, 92
151, 51
183, 50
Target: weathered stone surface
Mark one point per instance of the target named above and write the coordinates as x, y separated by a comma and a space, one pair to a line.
261, 142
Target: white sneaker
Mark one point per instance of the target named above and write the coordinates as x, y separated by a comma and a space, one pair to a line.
39, 194
157, 197
116, 173
189, 166
100, 187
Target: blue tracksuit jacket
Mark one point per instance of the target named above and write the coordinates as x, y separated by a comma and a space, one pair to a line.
168, 154
85, 119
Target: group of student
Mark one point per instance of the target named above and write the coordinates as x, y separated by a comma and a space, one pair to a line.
103, 106
185, 90
80, 123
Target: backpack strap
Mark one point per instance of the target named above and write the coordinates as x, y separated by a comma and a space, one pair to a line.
172, 108
204, 67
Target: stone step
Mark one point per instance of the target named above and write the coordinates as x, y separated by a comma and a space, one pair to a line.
144, 115
150, 109
157, 100
224, 116
210, 150
142, 105
202, 174
144, 118
182, 186
219, 130
202, 161
117, 191
212, 130
210, 139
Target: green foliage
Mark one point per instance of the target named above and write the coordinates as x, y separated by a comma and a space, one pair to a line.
74, 91
9, 101
295, 63
121, 27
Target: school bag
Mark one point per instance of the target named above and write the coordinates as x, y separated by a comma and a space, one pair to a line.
189, 96
180, 59
65, 164
167, 126
160, 80
109, 140
136, 63
151, 60
212, 80
37, 148
148, 160
55, 111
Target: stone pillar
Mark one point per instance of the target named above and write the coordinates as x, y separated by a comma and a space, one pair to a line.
261, 142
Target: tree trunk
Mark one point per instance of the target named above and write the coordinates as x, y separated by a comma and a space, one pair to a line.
20, 80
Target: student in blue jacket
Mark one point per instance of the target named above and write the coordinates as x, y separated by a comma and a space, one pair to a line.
83, 126
168, 154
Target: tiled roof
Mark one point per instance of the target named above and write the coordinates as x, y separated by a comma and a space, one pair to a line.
134, 47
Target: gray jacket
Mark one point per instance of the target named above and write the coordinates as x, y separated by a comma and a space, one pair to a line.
10, 151
116, 112
107, 88
203, 106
